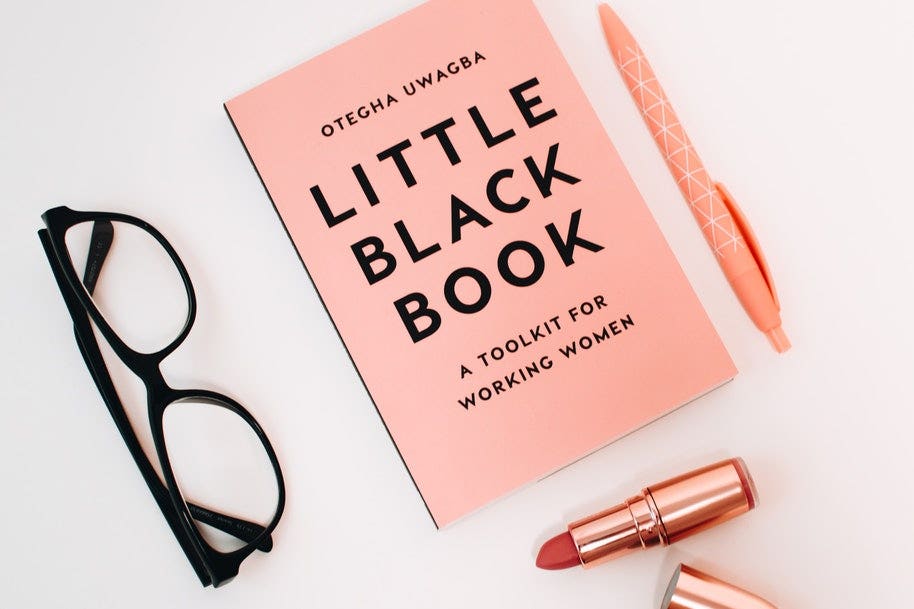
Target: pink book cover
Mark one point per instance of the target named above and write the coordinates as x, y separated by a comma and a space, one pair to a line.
501, 287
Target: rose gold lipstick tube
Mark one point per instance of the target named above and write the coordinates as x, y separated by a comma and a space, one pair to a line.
691, 589
666, 512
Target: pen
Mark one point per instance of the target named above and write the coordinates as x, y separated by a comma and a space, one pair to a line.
723, 224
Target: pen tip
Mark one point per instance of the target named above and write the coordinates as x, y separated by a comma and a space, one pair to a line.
778, 339
606, 13
613, 28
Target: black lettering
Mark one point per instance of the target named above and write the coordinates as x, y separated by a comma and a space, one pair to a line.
525, 105
544, 179
414, 253
440, 131
329, 217
604, 335
450, 290
370, 195
565, 247
539, 263
569, 350
485, 132
366, 259
496, 201
396, 153
461, 215
422, 310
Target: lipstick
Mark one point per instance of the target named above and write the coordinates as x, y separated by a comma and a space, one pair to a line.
660, 515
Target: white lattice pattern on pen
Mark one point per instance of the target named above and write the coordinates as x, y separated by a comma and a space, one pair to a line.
694, 182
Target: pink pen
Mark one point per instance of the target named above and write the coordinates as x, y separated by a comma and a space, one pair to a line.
723, 224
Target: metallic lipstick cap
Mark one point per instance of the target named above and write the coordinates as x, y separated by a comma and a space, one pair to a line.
704, 498
691, 589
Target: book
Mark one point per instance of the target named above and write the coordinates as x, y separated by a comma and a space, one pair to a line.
503, 291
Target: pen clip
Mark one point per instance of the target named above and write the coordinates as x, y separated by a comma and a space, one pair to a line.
751, 241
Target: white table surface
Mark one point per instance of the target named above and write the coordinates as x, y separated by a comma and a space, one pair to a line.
803, 108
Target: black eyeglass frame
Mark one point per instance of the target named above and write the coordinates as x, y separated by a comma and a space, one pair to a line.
212, 566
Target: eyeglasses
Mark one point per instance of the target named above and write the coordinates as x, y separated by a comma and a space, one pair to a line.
215, 543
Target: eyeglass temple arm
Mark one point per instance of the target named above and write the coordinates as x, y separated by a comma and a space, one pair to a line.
109, 395
100, 244
237, 527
